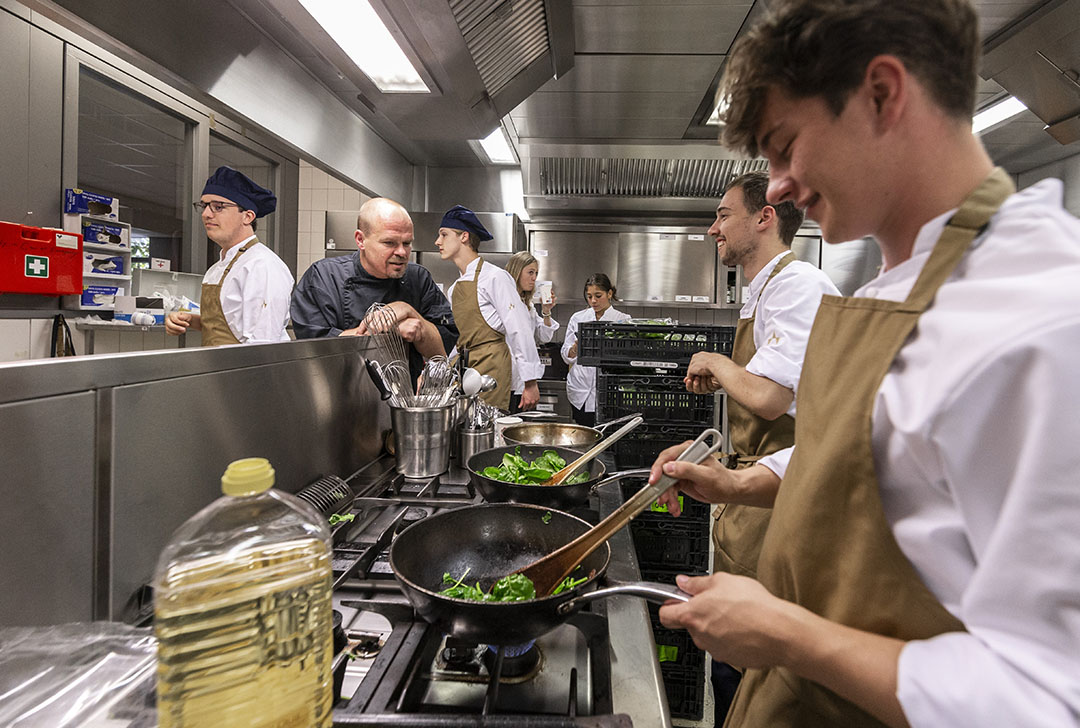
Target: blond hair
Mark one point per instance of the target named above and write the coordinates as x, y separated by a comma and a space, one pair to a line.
517, 263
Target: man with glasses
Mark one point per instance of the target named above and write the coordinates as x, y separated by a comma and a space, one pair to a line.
334, 293
245, 295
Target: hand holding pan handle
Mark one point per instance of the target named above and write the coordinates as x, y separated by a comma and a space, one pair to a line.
647, 590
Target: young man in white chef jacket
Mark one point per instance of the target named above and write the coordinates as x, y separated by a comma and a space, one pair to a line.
922, 564
762, 374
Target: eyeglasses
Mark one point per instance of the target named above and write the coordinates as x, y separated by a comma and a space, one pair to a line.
215, 206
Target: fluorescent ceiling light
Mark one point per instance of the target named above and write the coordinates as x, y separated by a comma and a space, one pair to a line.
497, 147
360, 32
996, 114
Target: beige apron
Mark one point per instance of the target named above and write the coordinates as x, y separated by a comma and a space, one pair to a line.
739, 530
488, 352
215, 329
829, 547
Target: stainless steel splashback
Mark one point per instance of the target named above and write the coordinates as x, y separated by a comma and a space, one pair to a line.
104, 456
666, 267
568, 258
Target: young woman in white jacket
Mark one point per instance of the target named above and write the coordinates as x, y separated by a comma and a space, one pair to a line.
581, 380
524, 268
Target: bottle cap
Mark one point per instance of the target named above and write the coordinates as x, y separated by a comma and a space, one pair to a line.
249, 476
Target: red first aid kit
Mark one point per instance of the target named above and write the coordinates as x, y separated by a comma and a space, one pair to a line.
40, 260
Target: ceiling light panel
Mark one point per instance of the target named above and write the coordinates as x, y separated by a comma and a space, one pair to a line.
360, 32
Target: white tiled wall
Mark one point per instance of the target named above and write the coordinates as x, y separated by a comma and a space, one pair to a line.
319, 192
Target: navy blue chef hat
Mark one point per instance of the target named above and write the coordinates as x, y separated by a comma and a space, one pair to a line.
232, 185
462, 218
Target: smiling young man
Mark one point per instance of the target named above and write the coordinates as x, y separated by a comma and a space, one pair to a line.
922, 564
334, 293
245, 295
762, 374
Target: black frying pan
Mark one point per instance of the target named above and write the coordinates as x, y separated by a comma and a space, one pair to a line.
549, 496
494, 540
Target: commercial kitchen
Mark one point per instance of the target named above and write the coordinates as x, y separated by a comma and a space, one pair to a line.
581, 131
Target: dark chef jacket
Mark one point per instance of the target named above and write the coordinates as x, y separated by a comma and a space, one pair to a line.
335, 293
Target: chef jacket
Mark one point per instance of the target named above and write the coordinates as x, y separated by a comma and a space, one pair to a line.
544, 334
502, 309
255, 294
581, 380
975, 437
785, 312
334, 294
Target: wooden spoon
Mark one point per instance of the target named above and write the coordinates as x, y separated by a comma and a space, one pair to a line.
550, 571
598, 448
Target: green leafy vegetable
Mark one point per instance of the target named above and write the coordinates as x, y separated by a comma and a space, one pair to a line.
546, 518
336, 518
516, 469
512, 588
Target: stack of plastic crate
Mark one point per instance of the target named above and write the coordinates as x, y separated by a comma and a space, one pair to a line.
641, 369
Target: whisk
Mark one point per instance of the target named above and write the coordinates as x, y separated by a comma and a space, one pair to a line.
381, 323
437, 384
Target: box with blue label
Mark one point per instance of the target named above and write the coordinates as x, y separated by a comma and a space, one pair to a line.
103, 296
140, 310
81, 202
103, 264
102, 233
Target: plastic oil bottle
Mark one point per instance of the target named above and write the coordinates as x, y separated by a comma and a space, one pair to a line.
242, 611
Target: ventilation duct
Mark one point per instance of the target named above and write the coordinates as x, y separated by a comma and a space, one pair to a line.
616, 177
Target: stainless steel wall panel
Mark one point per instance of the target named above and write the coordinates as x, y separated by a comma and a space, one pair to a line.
660, 266
46, 521
568, 258
14, 116
174, 438
663, 28
849, 265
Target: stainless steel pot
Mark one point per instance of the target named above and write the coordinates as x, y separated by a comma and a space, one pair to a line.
422, 438
558, 434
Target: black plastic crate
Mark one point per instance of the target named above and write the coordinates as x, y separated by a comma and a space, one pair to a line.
672, 545
674, 647
606, 343
658, 397
639, 447
691, 511
685, 688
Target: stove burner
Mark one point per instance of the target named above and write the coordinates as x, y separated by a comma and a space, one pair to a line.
460, 656
518, 660
413, 514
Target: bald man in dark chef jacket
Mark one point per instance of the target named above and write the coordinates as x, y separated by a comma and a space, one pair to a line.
245, 295
335, 293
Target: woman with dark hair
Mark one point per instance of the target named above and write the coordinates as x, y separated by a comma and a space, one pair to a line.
581, 381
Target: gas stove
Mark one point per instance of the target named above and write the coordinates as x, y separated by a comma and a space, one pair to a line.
598, 669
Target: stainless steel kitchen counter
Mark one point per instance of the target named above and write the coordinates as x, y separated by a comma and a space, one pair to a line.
636, 685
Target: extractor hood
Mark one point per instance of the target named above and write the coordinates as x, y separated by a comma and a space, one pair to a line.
1037, 60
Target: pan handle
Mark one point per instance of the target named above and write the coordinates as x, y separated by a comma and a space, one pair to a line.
639, 473
648, 590
616, 421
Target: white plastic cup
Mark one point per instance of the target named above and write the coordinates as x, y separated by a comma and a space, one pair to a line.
501, 424
545, 292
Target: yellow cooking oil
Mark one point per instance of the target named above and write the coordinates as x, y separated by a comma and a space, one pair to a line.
242, 611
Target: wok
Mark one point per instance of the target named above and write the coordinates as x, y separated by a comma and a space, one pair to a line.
558, 433
491, 541
550, 496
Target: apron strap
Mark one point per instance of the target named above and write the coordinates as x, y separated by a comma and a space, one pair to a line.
232, 262
968, 222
